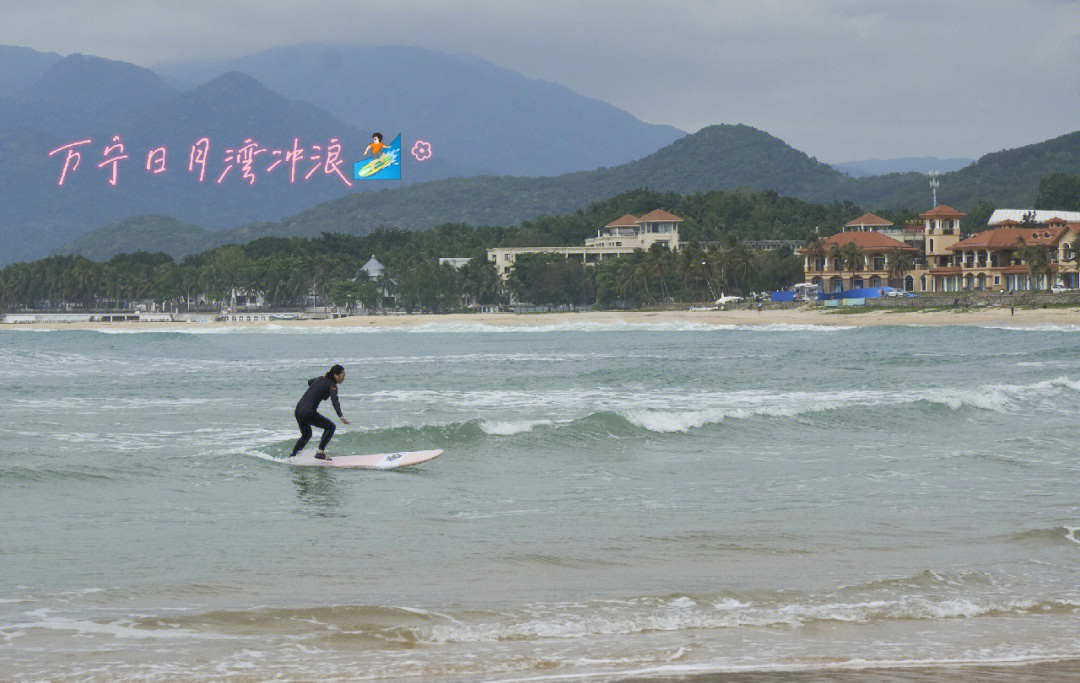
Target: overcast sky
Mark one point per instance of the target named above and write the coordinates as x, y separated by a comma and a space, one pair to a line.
838, 79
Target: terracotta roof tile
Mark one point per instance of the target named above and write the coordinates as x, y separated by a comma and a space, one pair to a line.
942, 211
627, 221
1002, 238
869, 242
658, 215
867, 219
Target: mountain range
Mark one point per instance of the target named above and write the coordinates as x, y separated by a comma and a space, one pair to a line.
506, 148
866, 167
47, 101
490, 119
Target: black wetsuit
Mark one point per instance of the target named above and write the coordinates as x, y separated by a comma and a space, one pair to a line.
307, 412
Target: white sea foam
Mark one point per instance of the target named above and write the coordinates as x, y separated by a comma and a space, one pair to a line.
510, 428
1043, 327
685, 614
46, 619
676, 410
477, 328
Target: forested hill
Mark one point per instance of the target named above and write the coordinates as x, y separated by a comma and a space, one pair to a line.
1006, 178
716, 157
720, 157
720, 216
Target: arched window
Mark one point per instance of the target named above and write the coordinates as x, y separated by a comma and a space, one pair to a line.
909, 284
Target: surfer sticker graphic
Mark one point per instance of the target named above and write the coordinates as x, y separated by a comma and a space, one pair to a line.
385, 161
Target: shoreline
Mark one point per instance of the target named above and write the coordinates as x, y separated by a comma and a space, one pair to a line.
997, 316
1051, 670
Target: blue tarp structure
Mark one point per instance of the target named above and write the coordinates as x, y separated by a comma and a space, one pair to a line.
782, 296
862, 293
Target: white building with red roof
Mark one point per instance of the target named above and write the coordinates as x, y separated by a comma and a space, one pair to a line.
624, 235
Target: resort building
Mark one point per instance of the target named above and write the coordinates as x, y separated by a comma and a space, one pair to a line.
987, 260
621, 236
941, 259
829, 271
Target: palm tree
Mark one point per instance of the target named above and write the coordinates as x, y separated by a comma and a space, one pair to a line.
738, 264
836, 256
853, 259
815, 249
1037, 258
898, 262
657, 266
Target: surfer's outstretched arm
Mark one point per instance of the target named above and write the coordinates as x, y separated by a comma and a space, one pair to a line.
337, 406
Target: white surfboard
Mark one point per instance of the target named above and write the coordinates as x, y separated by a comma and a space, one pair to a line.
375, 461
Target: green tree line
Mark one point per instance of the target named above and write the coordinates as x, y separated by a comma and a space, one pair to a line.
287, 270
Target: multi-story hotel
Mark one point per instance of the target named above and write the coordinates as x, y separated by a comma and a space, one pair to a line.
621, 236
941, 259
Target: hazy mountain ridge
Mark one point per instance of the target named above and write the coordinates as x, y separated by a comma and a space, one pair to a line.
21, 66
473, 112
869, 167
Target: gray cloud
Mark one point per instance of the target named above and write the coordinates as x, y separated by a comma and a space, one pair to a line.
839, 79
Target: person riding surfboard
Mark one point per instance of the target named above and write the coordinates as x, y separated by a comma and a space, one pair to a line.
307, 410
376, 147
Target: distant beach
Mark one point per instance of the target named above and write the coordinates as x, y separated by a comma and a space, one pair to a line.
996, 316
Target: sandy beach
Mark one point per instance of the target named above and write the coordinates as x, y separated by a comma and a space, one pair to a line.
996, 316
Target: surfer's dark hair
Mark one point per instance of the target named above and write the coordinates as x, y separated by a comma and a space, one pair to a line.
377, 135
335, 371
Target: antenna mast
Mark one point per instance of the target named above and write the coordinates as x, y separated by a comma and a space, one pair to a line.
934, 183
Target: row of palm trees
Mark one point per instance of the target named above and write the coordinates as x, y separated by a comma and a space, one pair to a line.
852, 258
212, 279
695, 273
289, 278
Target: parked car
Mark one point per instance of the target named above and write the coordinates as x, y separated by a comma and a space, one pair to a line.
1059, 289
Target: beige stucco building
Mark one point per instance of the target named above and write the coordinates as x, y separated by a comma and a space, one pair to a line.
943, 260
621, 236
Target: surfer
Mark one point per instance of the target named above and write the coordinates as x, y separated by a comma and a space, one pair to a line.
307, 410
376, 147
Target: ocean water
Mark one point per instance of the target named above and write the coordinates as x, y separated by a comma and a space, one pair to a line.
615, 502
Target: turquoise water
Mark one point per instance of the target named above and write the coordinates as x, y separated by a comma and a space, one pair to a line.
614, 500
